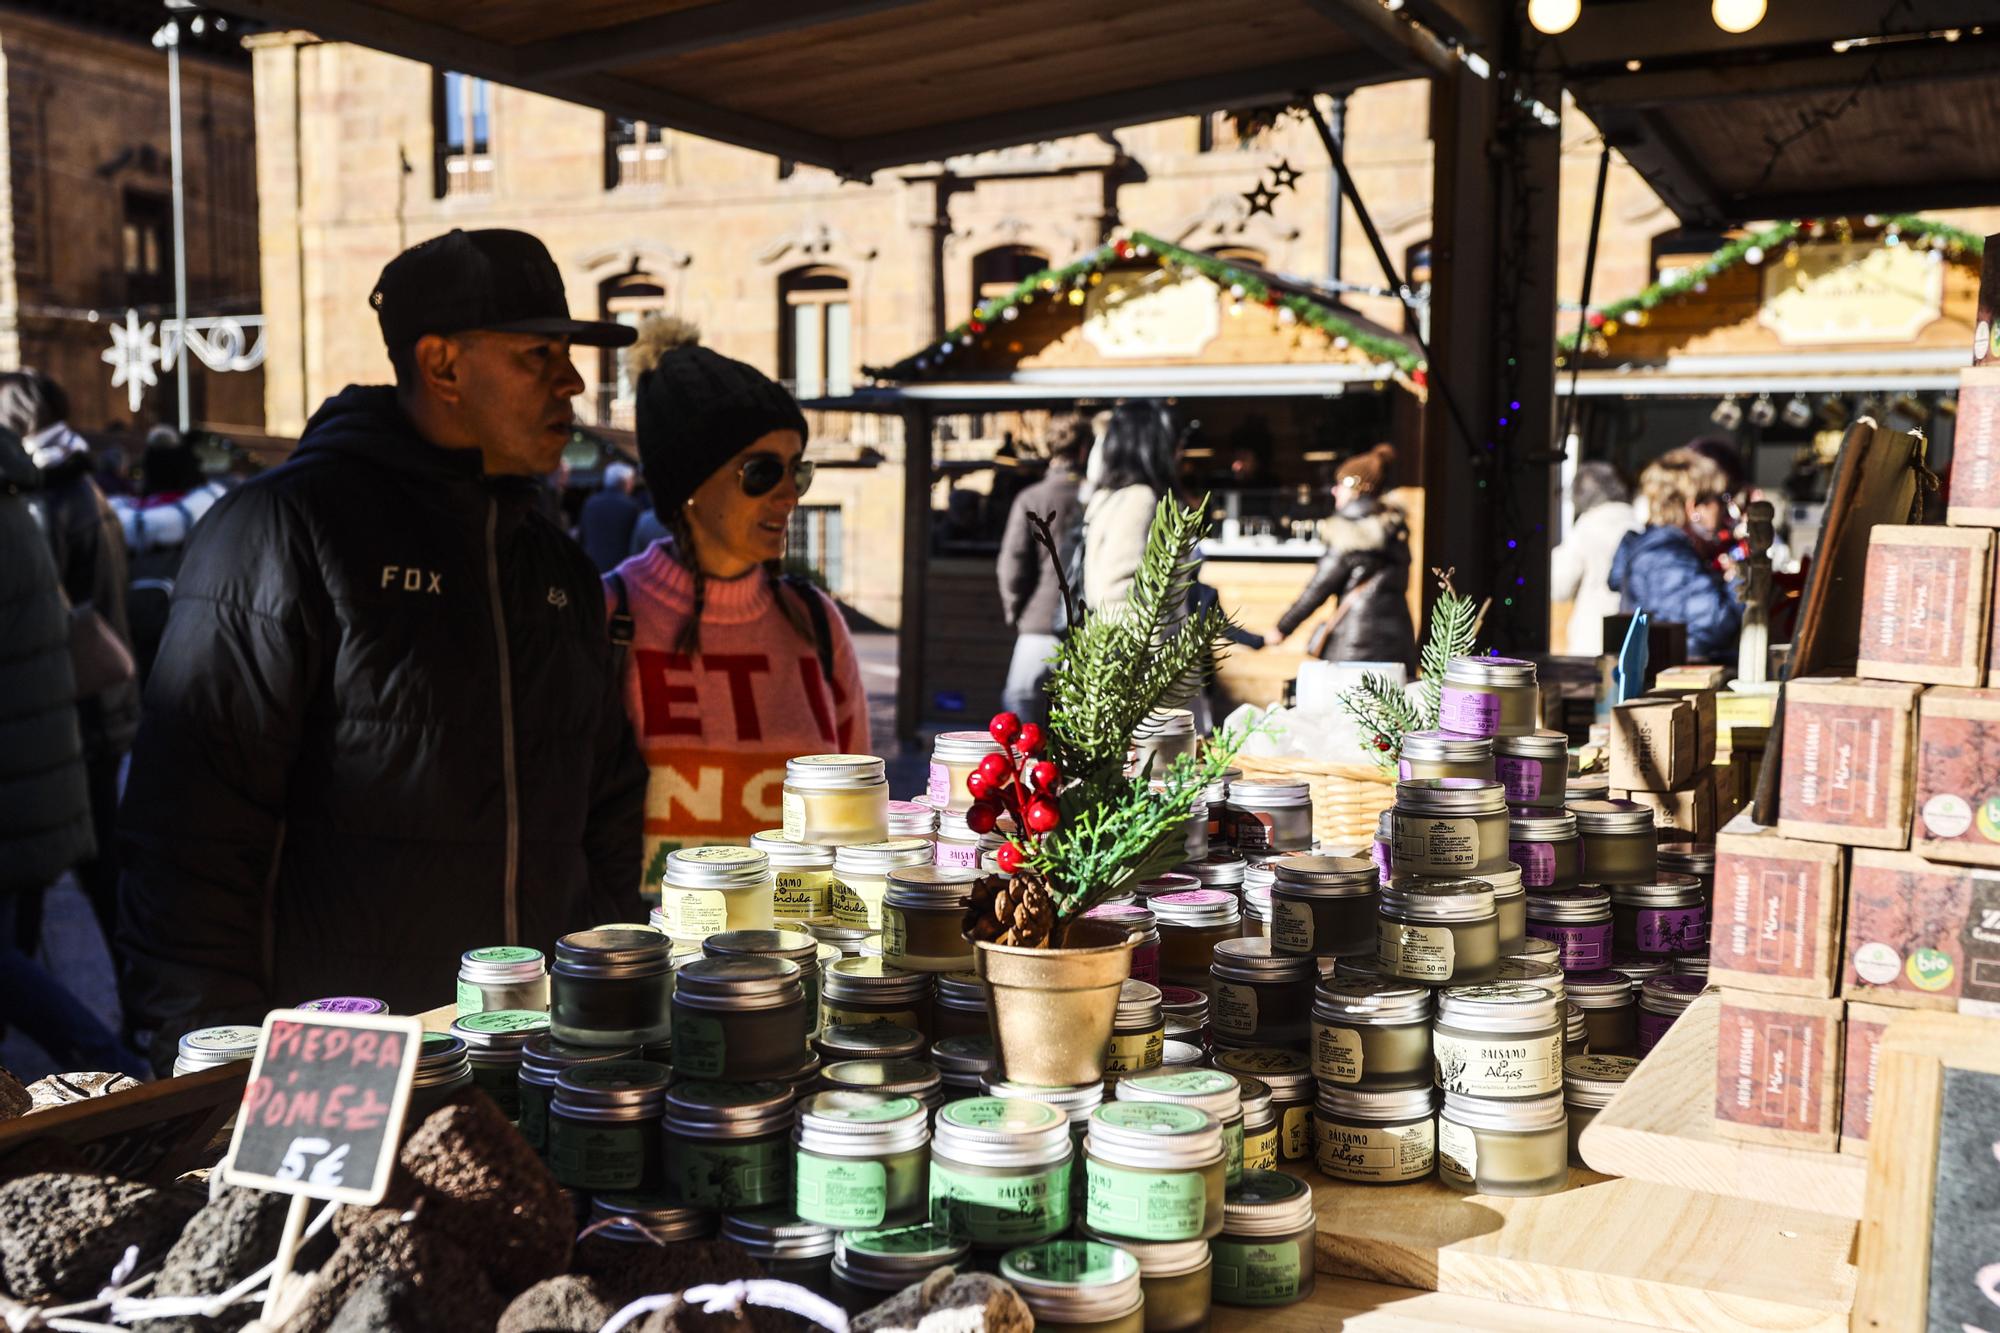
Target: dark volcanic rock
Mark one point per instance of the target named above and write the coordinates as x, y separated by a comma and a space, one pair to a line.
230, 1238
483, 1186
61, 1234
567, 1304
447, 1286
14, 1098
384, 1303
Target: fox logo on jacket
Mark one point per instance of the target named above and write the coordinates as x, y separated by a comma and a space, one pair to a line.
412, 579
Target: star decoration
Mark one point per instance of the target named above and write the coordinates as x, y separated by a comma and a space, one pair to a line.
1260, 200
1284, 176
132, 356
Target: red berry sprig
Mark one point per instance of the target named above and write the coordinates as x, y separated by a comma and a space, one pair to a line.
1014, 782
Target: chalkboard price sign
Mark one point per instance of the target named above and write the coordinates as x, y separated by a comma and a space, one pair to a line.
323, 1110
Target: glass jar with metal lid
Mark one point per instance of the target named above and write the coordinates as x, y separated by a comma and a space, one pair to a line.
1194, 829
1216, 796
1210, 1090
1641, 967
739, 1019
1618, 840
836, 799
912, 819
1260, 997
604, 1131
543, 1058
610, 988
1540, 951
1191, 924
1510, 906
1375, 1136
1383, 852
868, 1041
962, 1063
1174, 881
1222, 869
1489, 696
1578, 922
211, 1048
1534, 768
1576, 1033
1076, 1103
1692, 965
861, 877
1078, 1286
1438, 931
729, 1145
1370, 1033
493, 1041
1173, 1275
1180, 1054
1145, 931
1161, 737
790, 1250
647, 1219
801, 875
1503, 1147
1368, 969
869, 1267
350, 1004
1186, 1012
844, 942
443, 1071
1448, 826
1668, 916
1260, 1125
502, 976
1661, 1001
1000, 1169
1535, 972
1610, 1010
890, 1078
1442, 754
863, 1160
705, 890
1155, 1170
923, 919
1255, 922
1264, 1256
796, 947
1289, 1076
1324, 906
1690, 858
1545, 844
1138, 1031
961, 1008
954, 757
869, 990
1588, 786
1589, 1084
1271, 816
956, 846
1502, 1041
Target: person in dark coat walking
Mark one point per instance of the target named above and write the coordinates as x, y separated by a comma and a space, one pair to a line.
45, 824
1366, 567
1029, 598
604, 528
383, 726
1669, 570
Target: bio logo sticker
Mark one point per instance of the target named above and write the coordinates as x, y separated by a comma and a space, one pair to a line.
1877, 963
1989, 819
1949, 816
1929, 969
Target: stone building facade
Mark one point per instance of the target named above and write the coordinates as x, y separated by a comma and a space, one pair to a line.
86, 220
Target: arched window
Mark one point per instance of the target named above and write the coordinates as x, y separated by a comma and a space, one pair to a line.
1248, 255
816, 332
998, 271
628, 299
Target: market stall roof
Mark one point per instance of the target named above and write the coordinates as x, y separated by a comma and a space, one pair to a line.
855, 85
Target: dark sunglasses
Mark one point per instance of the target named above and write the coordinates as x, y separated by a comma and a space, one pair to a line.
761, 473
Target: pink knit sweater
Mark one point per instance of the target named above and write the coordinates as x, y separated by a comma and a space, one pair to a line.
716, 729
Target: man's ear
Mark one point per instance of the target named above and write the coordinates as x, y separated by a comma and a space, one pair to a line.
436, 358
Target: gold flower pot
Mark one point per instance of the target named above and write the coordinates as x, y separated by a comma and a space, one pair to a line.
1053, 1009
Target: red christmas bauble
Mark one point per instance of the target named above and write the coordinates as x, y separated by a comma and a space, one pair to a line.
982, 787
982, 817
995, 769
1010, 858
1031, 739
1004, 728
1042, 816
1044, 776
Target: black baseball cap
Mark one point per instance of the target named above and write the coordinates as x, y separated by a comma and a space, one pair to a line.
498, 280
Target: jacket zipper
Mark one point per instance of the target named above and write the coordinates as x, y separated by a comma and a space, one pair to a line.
512, 876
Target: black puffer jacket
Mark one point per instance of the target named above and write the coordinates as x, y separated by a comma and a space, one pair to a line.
382, 730
44, 804
1366, 566
89, 546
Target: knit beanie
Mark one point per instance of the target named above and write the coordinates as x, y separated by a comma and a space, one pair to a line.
697, 409
1368, 470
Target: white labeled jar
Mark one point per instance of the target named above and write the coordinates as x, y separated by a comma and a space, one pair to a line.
1589, 1084
1441, 754
1544, 844
1449, 826
1619, 842
1371, 1033
502, 976
1077, 1284
801, 876
1489, 696
1499, 1042
1503, 1147
1324, 906
706, 890
1534, 768
861, 878
834, 799
955, 756
912, 819
1375, 1136
923, 919
1438, 931
1271, 816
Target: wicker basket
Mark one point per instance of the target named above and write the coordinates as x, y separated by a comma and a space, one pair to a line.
1348, 799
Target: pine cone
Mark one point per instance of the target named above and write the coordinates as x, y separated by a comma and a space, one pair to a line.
1018, 911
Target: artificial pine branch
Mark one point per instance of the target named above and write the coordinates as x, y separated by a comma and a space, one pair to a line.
1453, 633
1385, 715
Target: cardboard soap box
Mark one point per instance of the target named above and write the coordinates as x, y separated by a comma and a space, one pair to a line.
1693, 676
1923, 614
1776, 919
1861, 1063
1979, 949
1689, 812
1777, 1070
1958, 777
1849, 746
1703, 702
1654, 744
1975, 449
1905, 925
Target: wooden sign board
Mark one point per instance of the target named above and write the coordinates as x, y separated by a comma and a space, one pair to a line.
322, 1113
150, 1133
1929, 1248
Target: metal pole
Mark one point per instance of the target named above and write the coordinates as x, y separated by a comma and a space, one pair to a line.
1336, 211
1583, 304
173, 35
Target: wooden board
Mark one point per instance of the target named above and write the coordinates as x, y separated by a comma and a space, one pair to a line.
1611, 1249
1660, 1128
1353, 1306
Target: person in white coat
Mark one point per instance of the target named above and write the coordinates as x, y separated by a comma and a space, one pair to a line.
1580, 568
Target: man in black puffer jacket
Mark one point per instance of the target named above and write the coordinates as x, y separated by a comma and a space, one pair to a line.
383, 727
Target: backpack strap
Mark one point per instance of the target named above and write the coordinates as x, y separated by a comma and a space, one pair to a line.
621, 621
822, 630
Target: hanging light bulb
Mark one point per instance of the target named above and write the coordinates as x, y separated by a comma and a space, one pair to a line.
1737, 15
1553, 16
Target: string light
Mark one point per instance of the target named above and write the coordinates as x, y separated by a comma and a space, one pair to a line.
1554, 16
1737, 15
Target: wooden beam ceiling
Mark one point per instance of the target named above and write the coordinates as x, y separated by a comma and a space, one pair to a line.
689, 30
1610, 34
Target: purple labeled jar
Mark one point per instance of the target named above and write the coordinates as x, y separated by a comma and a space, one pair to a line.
1577, 922
1661, 1001
1534, 768
1489, 696
1145, 932
1668, 916
346, 1004
1544, 844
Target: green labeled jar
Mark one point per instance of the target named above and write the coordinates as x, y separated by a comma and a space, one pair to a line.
869, 1267
960, 1008
1620, 844
962, 1064
834, 799
1442, 932
1260, 1125
1260, 997
1154, 1171
1264, 1255
707, 890
868, 1041
1372, 1136
1503, 1147
1138, 1031
493, 1041
870, 990
1210, 1090
1000, 1169
504, 976
1324, 905
861, 877
923, 919
1289, 1076
647, 1219
1372, 1034
862, 1161
729, 1145
801, 876
800, 1253
1078, 1104
611, 988
1501, 1042
889, 1078
1448, 826
1174, 1275
1078, 1286
543, 1058
739, 1019
1589, 1084
604, 1131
